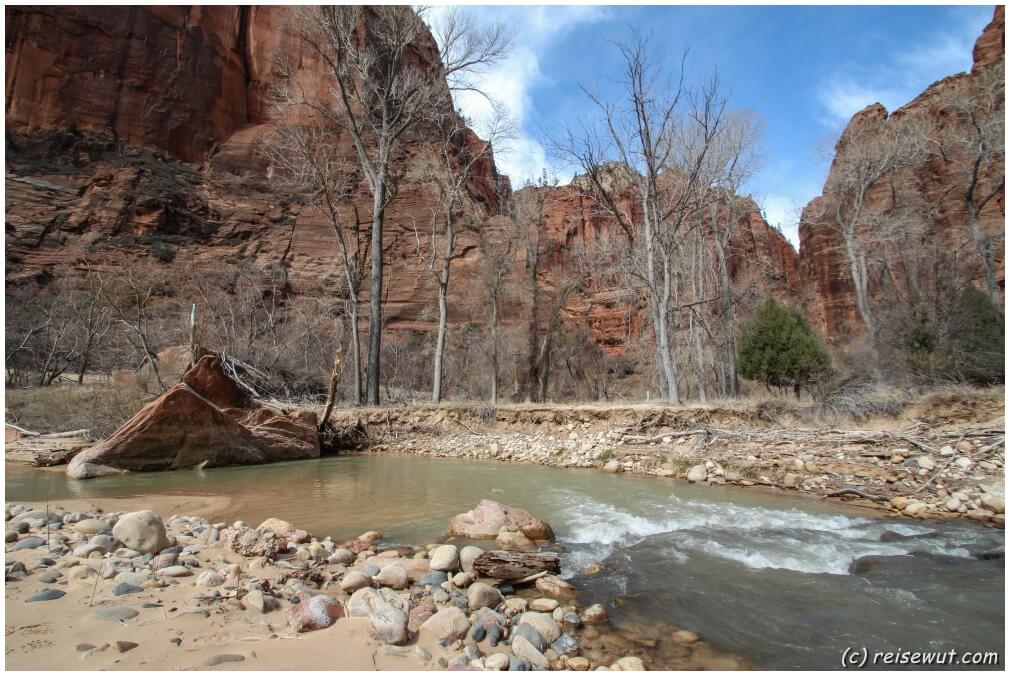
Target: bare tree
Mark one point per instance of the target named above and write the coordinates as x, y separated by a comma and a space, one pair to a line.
386, 85
305, 152
130, 296
649, 161
867, 157
456, 161
93, 318
500, 241
973, 142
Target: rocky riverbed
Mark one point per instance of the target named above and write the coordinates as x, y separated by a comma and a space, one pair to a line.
131, 590
918, 472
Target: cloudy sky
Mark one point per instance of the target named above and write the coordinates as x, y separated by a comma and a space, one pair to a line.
803, 70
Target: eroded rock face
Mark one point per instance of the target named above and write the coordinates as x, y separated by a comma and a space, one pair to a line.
829, 295
185, 428
484, 522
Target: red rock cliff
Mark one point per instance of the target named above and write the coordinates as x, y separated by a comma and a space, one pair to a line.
825, 279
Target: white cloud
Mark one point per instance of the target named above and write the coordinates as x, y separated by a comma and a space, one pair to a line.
510, 83
897, 81
783, 213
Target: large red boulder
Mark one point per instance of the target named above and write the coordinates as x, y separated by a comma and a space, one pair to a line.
204, 420
485, 520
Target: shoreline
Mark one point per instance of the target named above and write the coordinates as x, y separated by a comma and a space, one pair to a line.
228, 597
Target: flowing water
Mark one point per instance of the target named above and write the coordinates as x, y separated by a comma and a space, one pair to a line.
766, 577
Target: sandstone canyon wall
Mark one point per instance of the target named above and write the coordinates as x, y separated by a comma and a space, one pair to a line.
826, 286
137, 127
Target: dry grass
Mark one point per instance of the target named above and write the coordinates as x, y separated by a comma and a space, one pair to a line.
100, 408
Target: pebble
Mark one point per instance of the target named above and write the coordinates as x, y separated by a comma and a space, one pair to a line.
577, 663
433, 579
114, 614
176, 571
210, 579
594, 614
26, 543
481, 595
543, 605
628, 663
355, 580
497, 662
46, 595
393, 576
124, 588
214, 660
125, 646
445, 558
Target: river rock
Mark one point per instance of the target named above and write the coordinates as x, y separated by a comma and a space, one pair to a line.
26, 543
463, 580
85, 551
925, 462
207, 419
255, 600
175, 571
577, 663
628, 663
45, 595
467, 556
386, 612
697, 474
545, 625
448, 623
278, 527
514, 541
554, 586
594, 614
114, 614
445, 558
993, 502
10, 536
341, 555
315, 612
952, 505
899, 502
124, 588
612, 466
521, 647
543, 605
963, 463
529, 632
104, 541
433, 579
684, 636
485, 521
915, 509
225, 658
565, 645
419, 614
394, 576
210, 579
92, 526
143, 531
516, 603
496, 662
482, 595
355, 580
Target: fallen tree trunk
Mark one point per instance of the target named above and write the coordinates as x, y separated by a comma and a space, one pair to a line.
514, 566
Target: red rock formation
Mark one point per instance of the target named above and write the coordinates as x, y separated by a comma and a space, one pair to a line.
204, 420
139, 127
825, 281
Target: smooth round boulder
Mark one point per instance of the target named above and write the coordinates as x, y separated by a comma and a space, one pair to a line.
355, 580
467, 556
142, 531
448, 623
393, 576
482, 595
445, 558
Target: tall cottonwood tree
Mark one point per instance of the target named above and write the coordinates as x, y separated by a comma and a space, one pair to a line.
385, 86
869, 157
305, 153
649, 162
456, 157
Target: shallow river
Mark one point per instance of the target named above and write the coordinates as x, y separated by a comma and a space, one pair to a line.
766, 577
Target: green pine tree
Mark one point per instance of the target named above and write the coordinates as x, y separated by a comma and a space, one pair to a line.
778, 348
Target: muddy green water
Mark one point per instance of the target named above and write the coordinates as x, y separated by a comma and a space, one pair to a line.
764, 576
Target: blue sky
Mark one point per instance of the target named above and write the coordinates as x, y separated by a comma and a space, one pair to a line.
803, 70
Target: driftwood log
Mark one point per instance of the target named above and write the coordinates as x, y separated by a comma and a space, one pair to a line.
514, 566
